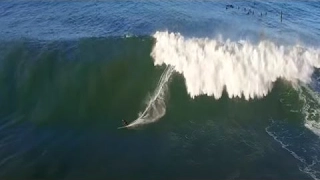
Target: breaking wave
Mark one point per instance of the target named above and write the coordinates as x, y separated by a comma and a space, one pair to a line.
242, 68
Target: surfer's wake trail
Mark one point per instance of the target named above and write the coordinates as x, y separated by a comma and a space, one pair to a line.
156, 104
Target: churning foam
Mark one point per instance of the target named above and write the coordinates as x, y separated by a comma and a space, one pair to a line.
311, 108
211, 66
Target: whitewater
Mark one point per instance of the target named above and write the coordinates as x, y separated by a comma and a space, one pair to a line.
241, 68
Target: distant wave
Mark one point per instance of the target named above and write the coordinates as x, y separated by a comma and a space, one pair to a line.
242, 68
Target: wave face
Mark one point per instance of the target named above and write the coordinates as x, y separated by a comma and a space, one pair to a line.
242, 68
68, 94
75, 81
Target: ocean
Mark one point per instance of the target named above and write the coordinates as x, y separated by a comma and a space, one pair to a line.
210, 89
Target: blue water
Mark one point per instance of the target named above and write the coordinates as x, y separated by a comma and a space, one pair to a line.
70, 71
71, 20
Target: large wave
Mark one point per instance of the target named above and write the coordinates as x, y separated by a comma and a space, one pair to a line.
242, 68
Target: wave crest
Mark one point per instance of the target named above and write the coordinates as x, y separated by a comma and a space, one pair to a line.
211, 66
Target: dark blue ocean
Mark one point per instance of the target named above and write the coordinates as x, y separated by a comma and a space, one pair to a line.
209, 89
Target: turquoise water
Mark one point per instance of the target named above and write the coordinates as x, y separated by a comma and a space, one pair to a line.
71, 71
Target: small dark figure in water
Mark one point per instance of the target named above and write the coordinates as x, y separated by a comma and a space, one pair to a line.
124, 122
281, 17
229, 6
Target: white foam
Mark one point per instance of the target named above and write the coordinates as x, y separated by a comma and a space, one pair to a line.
211, 66
311, 108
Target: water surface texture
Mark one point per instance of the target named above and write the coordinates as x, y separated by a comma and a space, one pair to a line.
210, 90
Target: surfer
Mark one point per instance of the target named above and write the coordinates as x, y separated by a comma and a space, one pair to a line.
125, 123
229, 6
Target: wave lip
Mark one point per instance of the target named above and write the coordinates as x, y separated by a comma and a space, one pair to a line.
211, 66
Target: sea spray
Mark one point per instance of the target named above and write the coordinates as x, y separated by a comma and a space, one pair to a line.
156, 104
242, 68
